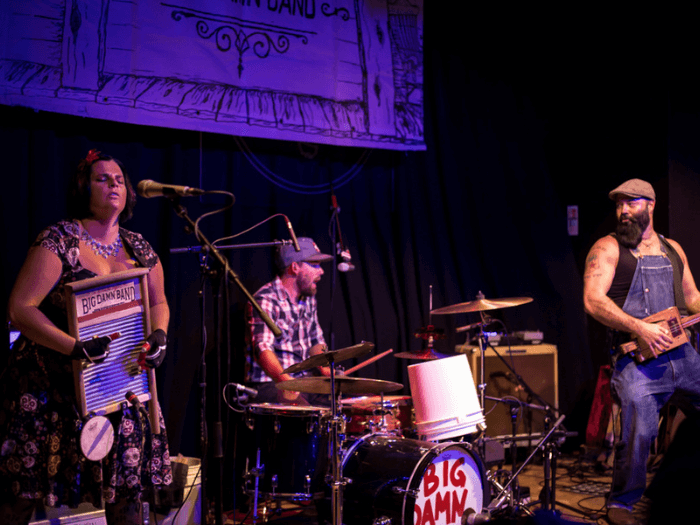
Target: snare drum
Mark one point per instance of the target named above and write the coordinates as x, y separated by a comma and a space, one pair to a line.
364, 414
284, 450
411, 482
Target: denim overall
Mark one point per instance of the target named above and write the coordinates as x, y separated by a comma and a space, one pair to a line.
643, 389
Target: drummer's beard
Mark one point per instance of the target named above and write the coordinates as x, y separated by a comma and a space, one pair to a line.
629, 232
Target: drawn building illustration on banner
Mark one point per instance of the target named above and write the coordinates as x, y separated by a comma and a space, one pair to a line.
343, 72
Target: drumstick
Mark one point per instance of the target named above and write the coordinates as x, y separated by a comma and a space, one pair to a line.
367, 362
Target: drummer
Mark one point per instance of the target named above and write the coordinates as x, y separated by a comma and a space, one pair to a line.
290, 301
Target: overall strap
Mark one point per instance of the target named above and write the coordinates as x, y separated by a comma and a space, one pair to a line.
678, 266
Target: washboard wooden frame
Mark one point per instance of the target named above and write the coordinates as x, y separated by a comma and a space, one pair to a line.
101, 306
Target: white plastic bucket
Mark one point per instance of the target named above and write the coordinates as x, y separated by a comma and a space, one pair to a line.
444, 398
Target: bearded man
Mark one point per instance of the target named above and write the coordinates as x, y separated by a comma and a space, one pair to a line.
290, 301
629, 276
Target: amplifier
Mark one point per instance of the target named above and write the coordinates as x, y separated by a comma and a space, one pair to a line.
538, 367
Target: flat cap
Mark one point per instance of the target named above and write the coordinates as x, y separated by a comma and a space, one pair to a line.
636, 188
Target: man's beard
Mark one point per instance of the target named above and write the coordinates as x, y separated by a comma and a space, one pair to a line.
306, 286
630, 234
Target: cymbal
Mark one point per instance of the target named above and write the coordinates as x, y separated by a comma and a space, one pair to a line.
426, 354
480, 305
325, 358
429, 332
344, 385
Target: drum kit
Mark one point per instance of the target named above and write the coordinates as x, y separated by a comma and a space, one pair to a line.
377, 475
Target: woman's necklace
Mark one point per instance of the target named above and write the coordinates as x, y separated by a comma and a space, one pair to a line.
105, 250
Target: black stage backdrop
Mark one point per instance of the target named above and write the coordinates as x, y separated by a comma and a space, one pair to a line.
511, 141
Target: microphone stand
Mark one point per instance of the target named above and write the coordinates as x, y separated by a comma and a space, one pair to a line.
502, 496
550, 452
338, 250
227, 273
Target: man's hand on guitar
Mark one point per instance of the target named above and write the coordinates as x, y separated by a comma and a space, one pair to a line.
657, 336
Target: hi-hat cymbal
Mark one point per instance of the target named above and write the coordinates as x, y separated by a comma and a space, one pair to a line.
480, 305
426, 354
343, 385
335, 356
429, 332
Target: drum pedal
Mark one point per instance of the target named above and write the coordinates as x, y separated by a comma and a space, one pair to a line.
523, 495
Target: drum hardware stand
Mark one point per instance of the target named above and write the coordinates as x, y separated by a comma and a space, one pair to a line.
225, 274
335, 480
503, 496
515, 407
383, 412
551, 452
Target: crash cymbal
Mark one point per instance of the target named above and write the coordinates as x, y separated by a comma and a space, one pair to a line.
428, 353
335, 356
480, 305
343, 385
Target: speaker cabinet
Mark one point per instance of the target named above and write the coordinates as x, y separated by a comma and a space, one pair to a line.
536, 365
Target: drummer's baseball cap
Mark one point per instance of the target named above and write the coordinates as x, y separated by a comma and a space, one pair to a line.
309, 252
636, 188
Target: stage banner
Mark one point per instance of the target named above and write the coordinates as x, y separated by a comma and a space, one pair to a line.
342, 72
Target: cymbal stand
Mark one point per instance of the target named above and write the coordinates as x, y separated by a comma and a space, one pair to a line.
335, 479
483, 340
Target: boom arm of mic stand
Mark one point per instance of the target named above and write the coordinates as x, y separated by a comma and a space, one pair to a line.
182, 212
199, 248
523, 383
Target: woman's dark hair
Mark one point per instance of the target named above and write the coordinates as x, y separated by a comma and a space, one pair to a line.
79, 189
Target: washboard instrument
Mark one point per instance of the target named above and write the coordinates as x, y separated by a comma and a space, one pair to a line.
104, 305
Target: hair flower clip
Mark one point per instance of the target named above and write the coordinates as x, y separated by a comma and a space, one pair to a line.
92, 156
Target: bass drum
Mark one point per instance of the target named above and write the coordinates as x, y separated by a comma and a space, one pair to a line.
411, 482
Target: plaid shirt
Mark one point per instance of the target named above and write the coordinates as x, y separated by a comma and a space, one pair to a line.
298, 322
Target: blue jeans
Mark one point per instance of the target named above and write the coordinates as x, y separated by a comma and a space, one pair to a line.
642, 390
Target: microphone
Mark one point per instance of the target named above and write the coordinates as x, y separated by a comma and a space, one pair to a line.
246, 390
150, 188
468, 327
292, 235
134, 400
345, 265
486, 322
471, 517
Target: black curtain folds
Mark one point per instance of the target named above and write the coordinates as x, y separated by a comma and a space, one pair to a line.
509, 146
476, 212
